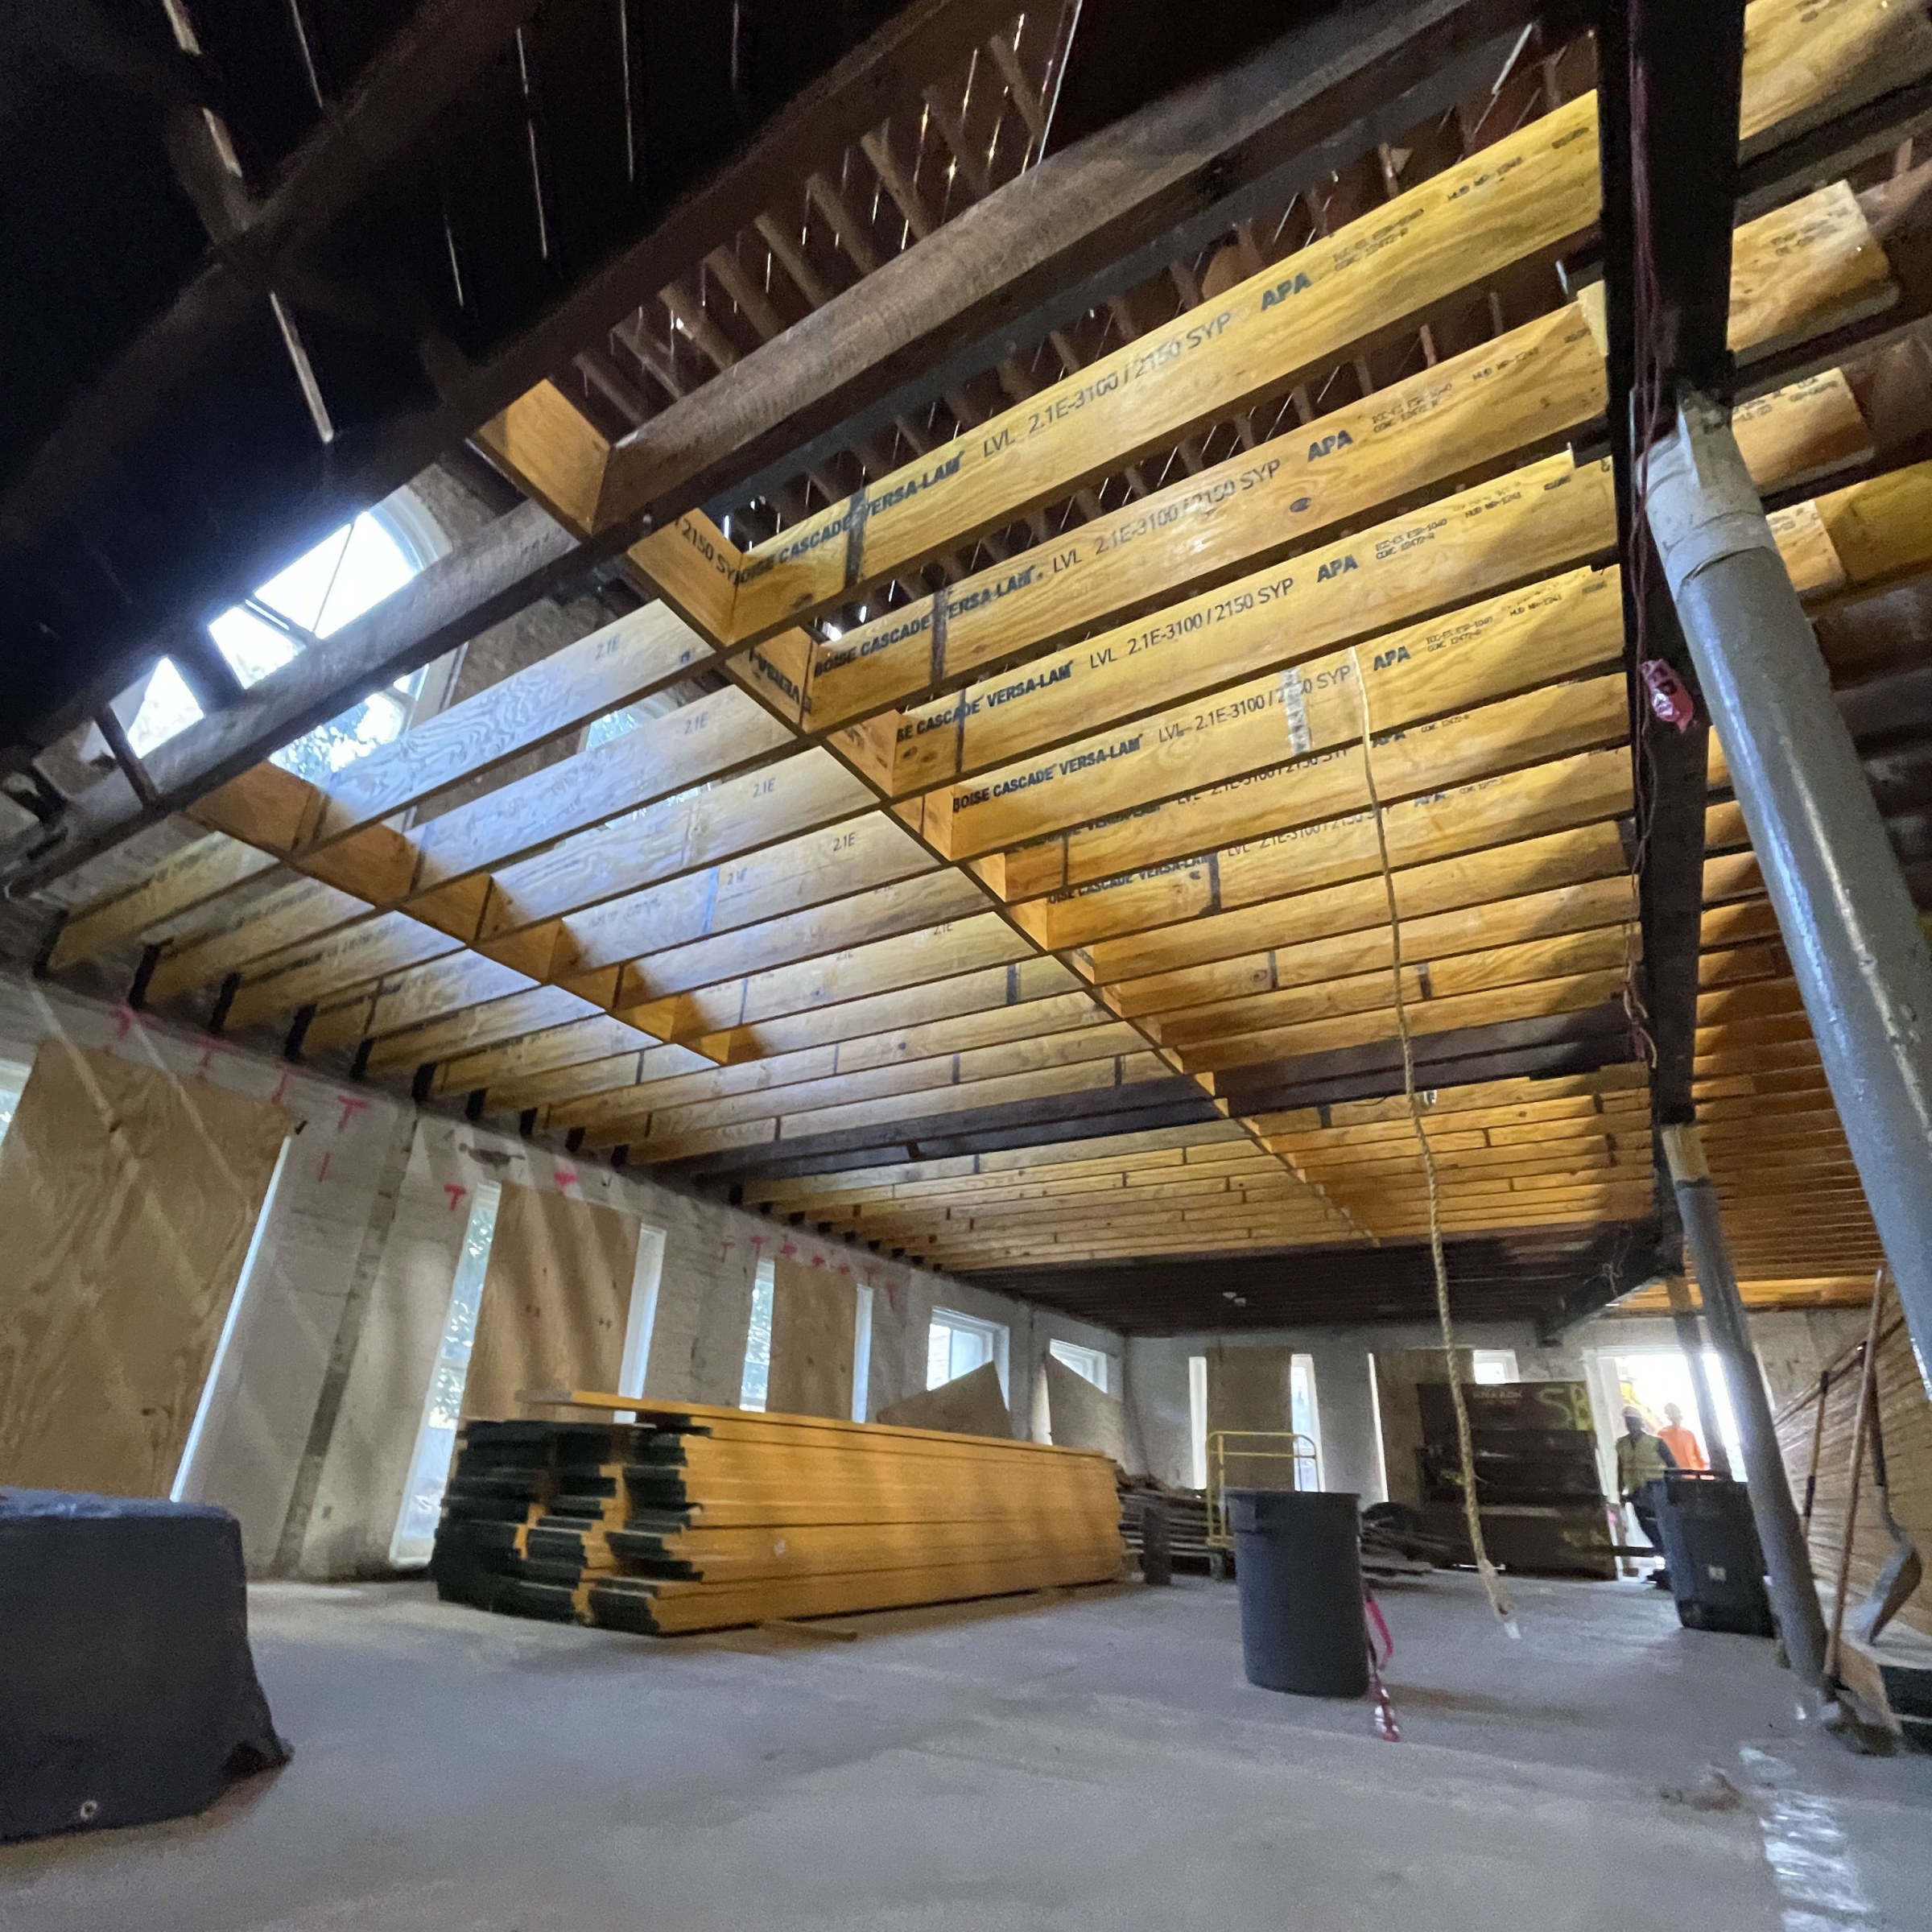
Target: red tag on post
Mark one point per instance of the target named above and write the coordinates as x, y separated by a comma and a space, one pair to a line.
1668, 699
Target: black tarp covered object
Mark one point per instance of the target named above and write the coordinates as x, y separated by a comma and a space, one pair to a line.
127, 1690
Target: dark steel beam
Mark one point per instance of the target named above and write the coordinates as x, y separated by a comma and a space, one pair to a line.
1097, 1112
1570, 1043
1672, 78
1526, 1273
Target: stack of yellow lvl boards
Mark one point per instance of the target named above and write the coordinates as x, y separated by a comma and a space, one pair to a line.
696, 1518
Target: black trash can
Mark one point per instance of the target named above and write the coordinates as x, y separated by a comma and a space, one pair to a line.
1298, 1563
1711, 1549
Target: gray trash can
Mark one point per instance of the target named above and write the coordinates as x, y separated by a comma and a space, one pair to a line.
1298, 1563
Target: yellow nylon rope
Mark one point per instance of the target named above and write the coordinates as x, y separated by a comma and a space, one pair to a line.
1492, 1583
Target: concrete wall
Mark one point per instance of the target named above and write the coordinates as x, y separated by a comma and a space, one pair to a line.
1157, 1401
312, 1420
313, 1414
697, 1343
1792, 1347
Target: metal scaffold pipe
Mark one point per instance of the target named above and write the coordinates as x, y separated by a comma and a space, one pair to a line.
1787, 1560
1845, 916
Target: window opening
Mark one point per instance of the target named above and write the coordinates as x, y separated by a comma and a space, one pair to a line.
642, 1318
756, 1378
1651, 1379
415, 1531
218, 1385
956, 1344
344, 575
13, 1080
1090, 1363
1304, 1418
1493, 1367
1197, 1421
861, 1352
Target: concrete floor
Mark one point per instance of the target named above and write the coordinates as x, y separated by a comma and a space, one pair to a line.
1095, 1763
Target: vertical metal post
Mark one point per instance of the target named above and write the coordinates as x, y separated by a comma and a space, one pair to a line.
1690, 1337
1845, 916
1787, 1560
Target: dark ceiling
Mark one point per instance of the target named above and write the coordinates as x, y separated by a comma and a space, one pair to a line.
1551, 1275
427, 187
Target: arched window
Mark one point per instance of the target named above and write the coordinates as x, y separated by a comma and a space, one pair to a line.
351, 569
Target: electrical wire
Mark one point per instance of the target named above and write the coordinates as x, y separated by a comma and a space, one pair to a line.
1492, 1582
1646, 413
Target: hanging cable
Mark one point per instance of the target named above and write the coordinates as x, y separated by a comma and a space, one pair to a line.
1492, 1582
1646, 405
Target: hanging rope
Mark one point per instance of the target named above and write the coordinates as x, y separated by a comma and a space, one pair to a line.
1492, 1582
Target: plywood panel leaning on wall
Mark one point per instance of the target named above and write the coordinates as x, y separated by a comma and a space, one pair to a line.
814, 1325
1905, 1418
1080, 1416
972, 1403
1398, 1371
128, 1197
556, 1298
1247, 1388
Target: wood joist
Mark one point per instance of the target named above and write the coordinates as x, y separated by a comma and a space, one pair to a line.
831, 932
1842, 272
401, 945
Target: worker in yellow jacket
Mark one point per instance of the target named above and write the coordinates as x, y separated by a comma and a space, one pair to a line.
1641, 1460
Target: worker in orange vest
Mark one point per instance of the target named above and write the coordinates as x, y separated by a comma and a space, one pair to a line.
1685, 1449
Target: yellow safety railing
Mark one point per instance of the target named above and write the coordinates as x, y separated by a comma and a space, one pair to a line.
1244, 1447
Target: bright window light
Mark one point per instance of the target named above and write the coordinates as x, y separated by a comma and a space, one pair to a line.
1493, 1367
757, 1379
415, 1533
641, 1322
861, 1353
12, 1078
1305, 1418
1197, 1421
956, 1344
343, 576
167, 707
1091, 1363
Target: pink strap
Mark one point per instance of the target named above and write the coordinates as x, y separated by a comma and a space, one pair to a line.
1375, 1617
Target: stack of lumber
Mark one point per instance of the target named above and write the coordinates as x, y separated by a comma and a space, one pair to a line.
1538, 1485
696, 1518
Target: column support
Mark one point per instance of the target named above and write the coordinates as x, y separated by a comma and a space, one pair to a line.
1787, 1560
